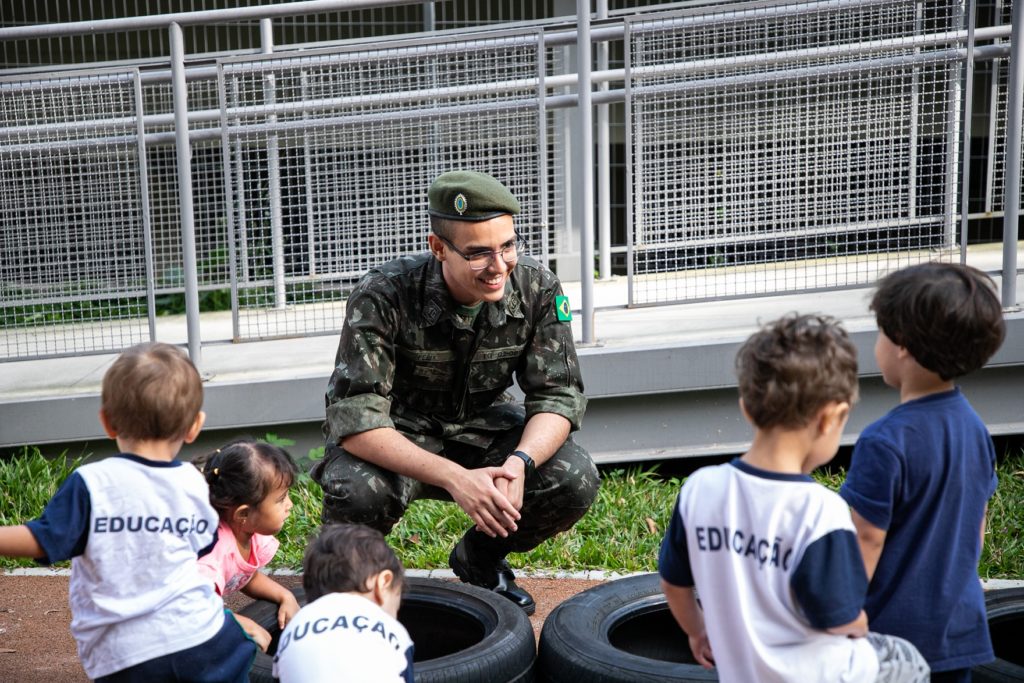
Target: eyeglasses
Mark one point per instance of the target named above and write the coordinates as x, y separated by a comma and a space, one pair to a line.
479, 260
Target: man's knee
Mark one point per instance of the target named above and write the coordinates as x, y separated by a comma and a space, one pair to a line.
572, 476
357, 492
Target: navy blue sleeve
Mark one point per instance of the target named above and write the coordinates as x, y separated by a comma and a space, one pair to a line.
209, 549
873, 483
994, 481
408, 674
63, 528
829, 584
674, 558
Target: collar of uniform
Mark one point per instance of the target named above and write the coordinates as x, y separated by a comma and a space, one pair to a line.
437, 303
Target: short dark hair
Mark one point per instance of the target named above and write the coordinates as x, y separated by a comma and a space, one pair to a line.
947, 315
444, 227
244, 472
344, 557
152, 392
792, 367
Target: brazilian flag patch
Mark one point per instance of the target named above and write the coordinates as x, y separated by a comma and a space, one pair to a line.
563, 309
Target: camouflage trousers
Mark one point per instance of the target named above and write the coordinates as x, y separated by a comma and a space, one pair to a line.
556, 496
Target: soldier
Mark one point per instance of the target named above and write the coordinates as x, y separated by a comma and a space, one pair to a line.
416, 406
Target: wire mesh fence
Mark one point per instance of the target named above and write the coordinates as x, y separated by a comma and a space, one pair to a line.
771, 147
820, 134
996, 186
211, 234
331, 155
74, 275
239, 36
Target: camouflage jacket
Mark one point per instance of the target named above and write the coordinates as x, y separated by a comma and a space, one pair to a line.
407, 360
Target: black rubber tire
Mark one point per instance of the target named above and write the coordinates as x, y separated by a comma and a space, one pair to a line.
463, 634
1006, 625
616, 632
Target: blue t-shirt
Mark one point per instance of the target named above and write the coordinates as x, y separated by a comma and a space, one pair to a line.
923, 473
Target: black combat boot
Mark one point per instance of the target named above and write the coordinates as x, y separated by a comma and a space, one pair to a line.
494, 575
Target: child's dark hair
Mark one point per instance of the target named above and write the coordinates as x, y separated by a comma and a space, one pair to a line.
946, 315
152, 392
344, 557
792, 367
245, 472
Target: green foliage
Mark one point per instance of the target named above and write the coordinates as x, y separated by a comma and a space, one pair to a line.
28, 315
302, 524
279, 441
209, 300
27, 482
621, 532
1003, 554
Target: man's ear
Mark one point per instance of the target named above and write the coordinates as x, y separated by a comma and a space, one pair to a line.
107, 427
436, 245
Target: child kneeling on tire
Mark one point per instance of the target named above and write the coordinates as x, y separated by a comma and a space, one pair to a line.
772, 553
348, 629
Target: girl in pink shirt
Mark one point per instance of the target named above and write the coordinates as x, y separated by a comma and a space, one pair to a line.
249, 482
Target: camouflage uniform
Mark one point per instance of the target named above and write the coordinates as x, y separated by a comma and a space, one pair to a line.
407, 359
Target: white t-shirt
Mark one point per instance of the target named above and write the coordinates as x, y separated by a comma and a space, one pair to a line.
775, 561
344, 637
133, 528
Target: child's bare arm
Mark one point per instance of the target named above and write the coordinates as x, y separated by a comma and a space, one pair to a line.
683, 604
255, 631
984, 517
18, 541
871, 540
858, 628
262, 587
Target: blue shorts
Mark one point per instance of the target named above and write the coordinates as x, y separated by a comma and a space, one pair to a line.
225, 658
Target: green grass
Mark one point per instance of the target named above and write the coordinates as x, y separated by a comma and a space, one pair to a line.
620, 533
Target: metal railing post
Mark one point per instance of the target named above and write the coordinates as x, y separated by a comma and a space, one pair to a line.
965, 151
188, 226
604, 227
586, 161
1014, 120
429, 16
147, 226
273, 174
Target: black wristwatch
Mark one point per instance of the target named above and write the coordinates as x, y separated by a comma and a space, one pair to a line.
527, 460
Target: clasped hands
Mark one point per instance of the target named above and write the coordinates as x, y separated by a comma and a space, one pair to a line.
492, 496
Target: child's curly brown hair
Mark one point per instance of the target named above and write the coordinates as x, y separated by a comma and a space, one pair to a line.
792, 367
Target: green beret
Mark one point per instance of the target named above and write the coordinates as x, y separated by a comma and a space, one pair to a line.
470, 196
